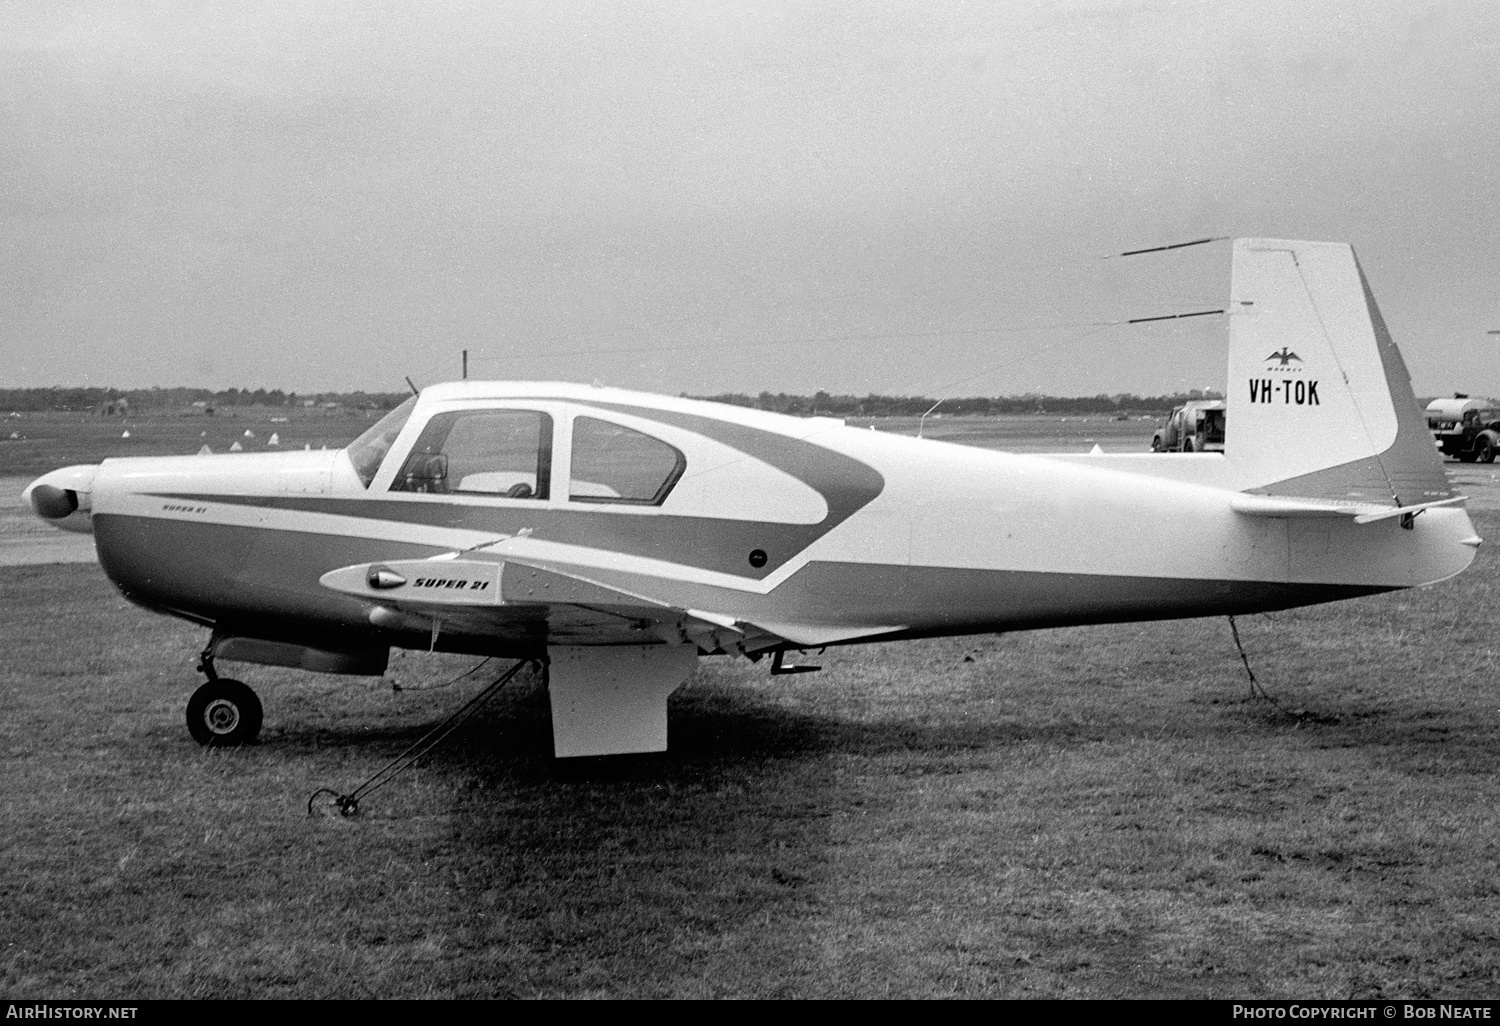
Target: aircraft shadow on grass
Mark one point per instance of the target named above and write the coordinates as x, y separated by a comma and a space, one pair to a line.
716, 727
721, 728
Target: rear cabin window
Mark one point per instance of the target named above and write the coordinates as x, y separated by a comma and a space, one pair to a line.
481, 452
617, 464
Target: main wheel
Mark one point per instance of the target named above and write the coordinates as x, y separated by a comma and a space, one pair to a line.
1484, 452
223, 714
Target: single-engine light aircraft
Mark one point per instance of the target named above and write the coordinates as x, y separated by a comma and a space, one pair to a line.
617, 537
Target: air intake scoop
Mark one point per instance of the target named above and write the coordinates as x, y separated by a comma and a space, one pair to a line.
53, 503
64, 498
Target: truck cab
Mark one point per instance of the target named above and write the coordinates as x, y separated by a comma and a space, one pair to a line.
1197, 426
1465, 428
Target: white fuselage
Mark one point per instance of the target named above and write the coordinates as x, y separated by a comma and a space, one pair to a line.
865, 534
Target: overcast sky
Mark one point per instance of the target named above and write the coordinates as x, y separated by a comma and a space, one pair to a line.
906, 198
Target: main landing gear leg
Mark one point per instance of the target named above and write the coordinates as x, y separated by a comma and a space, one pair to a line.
222, 713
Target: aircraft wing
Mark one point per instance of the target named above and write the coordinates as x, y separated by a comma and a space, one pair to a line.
523, 600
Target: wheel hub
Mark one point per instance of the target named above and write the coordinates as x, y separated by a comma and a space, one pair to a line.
221, 716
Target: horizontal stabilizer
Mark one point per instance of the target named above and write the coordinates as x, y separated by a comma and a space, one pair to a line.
1362, 512
1401, 511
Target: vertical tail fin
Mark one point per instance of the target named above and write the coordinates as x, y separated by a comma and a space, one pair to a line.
1319, 400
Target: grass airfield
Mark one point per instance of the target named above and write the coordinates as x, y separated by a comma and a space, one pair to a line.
46, 441
1088, 812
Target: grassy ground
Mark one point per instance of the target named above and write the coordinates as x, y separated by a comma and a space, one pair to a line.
1089, 812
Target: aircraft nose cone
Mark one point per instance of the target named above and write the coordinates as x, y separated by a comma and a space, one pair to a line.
52, 503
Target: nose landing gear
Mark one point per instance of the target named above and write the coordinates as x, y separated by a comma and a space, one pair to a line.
222, 713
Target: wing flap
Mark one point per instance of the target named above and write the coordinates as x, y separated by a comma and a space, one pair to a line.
808, 635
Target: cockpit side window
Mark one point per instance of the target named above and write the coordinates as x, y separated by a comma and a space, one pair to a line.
368, 450
617, 464
481, 452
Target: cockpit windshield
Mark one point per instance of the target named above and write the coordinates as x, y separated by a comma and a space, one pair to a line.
369, 449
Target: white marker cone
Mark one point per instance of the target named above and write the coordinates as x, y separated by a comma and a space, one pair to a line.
236, 447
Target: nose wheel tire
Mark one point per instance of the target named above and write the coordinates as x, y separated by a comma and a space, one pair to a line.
223, 714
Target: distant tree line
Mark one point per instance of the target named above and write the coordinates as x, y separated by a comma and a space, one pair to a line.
145, 400
914, 406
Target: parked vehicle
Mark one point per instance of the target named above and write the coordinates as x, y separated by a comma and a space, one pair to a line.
1464, 428
1197, 426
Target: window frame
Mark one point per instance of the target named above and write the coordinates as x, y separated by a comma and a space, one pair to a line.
390, 477
679, 467
356, 449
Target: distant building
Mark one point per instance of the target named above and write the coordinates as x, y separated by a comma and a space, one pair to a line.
113, 408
